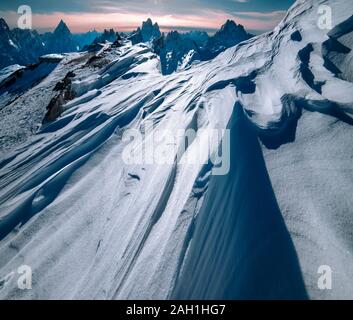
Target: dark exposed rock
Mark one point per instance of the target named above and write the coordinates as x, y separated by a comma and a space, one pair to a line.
65, 82
14, 44
175, 51
228, 36
178, 51
54, 108
147, 32
107, 36
296, 36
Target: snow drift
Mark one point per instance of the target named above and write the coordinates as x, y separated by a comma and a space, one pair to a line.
91, 226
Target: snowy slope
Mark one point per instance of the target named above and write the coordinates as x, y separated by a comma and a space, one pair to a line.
92, 226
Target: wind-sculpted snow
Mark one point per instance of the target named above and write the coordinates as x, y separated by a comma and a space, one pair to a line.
229, 271
90, 225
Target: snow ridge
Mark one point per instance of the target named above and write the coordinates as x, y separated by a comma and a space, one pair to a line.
92, 226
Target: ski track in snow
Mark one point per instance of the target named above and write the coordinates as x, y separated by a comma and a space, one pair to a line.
91, 226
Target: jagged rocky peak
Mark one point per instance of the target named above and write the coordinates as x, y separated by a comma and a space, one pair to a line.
172, 36
179, 41
230, 25
231, 29
108, 36
3, 25
87, 38
200, 37
176, 51
149, 24
150, 31
62, 28
61, 40
14, 44
228, 36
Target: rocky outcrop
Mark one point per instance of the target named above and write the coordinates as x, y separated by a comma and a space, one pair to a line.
176, 52
64, 94
108, 36
228, 36
15, 44
147, 32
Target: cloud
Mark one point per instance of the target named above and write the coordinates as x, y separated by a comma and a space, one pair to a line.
123, 21
82, 15
261, 15
259, 21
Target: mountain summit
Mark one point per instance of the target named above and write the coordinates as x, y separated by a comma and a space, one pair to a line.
15, 44
178, 51
229, 35
147, 32
62, 29
61, 40
3, 25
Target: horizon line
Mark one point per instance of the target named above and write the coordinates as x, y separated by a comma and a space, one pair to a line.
129, 29
82, 23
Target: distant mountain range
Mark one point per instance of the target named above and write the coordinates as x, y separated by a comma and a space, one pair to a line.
24, 47
179, 50
176, 50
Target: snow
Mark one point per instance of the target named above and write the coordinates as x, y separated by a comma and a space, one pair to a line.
16, 83
12, 44
8, 71
92, 226
186, 60
52, 57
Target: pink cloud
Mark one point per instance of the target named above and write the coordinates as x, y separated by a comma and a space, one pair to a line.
125, 21
259, 20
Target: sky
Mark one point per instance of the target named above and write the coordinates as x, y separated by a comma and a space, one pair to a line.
257, 16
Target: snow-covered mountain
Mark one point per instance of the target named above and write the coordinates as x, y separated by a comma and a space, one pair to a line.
14, 46
61, 40
149, 31
87, 38
91, 225
228, 36
14, 43
200, 37
107, 36
178, 51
